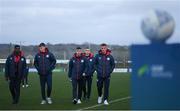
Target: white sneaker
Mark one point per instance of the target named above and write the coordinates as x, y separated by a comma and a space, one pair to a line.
106, 102
79, 101
23, 86
99, 100
43, 102
49, 101
27, 85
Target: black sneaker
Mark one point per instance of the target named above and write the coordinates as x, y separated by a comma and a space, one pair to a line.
74, 101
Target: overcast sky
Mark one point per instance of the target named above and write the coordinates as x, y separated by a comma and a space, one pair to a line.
79, 21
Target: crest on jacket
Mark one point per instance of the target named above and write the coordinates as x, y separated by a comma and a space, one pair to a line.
47, 56
108, 58
22, 59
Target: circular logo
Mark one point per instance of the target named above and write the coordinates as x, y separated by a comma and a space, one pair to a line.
108, 58
47, 56
22, 59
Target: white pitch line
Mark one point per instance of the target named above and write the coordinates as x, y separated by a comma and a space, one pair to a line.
113, 101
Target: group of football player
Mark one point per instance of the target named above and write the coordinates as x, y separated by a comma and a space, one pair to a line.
82, 66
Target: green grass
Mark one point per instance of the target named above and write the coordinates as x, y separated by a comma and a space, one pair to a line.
62, 94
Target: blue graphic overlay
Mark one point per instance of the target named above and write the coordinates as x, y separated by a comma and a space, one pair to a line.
155, 76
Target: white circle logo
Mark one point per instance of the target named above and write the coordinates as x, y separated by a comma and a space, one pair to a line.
108, 58
47, 56
22, 59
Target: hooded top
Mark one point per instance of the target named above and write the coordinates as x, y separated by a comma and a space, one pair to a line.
90, 64
15, 65
77, 66
44, 62
104, 64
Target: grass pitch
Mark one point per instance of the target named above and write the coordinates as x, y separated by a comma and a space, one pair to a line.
30, 98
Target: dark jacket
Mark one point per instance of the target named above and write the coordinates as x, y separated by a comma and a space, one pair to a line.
90, 63
44, 63
15, 66
77, 66
104, 64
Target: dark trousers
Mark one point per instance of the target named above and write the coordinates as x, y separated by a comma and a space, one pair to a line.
46, 80
25, 80
103, 82
77, 88
14, 86
87, 82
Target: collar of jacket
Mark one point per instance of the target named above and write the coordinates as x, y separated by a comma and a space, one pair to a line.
108, 52
89, 56
17, 57
77, 57
44, 53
